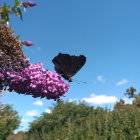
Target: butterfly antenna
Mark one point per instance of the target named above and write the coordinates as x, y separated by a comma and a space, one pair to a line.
78, 81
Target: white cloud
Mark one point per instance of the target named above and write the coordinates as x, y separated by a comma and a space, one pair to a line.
100, 78
100, 99
38, 102
32, 113
128, 101
73, 100
122, 82
48, 111
24, 120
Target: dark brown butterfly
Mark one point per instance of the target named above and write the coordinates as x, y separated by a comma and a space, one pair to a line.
68, 65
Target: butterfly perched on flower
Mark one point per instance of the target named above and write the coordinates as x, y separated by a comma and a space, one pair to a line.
68, 65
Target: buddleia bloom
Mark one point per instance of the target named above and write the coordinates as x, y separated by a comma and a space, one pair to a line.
12, 57
27, 43
28, 4
11, 50
38, 82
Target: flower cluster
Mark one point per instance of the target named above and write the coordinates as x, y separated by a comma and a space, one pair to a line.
9, 65
5, 80
28, 4
27, 43
16, 74
11, 56
9, 45
10, 49
38, 82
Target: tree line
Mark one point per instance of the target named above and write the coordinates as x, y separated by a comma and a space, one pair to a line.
80, 121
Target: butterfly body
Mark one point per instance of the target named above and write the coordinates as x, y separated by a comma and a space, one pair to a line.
68, 65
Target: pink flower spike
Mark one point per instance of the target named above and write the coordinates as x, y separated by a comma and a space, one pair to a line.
38, 82
27, 43
28, 4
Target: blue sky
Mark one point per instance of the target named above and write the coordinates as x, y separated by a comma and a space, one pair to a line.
107, 32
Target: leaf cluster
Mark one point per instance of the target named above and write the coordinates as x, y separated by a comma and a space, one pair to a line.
9, 120
71, 121
6, 10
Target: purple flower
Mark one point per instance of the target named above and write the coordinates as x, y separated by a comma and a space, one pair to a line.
28, 4
27, 43
1, 76
38, 82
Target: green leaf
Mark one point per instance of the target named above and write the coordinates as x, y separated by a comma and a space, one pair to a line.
17, 37
14, 10
5, 16
4, 13
19, 13
17, 3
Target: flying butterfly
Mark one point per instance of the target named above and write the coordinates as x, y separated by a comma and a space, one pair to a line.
68, 65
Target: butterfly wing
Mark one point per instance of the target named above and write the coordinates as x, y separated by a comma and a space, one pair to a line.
67, 65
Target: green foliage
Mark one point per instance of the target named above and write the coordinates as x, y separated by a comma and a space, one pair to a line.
9, 121
71, 121
6, 10
131, 94
17, 3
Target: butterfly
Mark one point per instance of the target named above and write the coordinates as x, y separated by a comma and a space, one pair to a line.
68, 65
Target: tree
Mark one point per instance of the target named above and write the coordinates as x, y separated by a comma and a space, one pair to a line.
9, 121
131, 92
71, 121
65, 122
